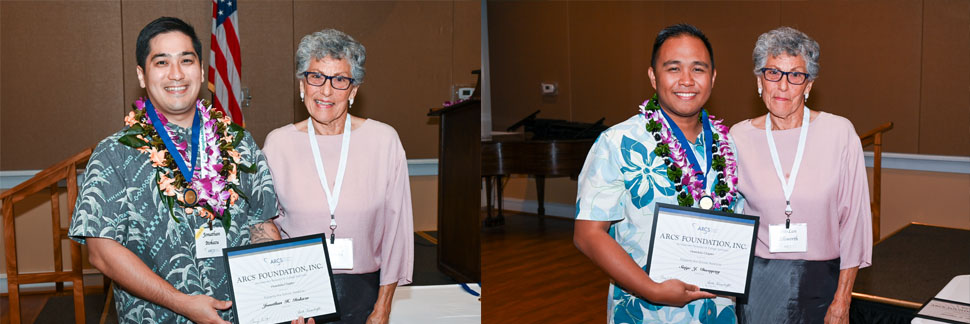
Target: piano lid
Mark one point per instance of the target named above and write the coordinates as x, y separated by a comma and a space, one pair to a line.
557, 129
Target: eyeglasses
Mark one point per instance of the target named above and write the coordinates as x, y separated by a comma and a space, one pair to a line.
774, 75
337, 82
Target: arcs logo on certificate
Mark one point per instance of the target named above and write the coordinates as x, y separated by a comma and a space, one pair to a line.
278, 281
711, 249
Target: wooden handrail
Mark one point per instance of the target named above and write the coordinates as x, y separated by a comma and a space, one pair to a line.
46, 179
48, 176
874, 138
870, 136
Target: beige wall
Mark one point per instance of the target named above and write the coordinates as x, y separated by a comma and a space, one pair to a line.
60, 91
907, 196
67, 80
925, 197
900, 60
35, 247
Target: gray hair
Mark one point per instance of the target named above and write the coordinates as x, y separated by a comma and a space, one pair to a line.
789, 41
335, 44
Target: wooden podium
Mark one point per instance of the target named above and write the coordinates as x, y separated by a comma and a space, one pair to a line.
459, 190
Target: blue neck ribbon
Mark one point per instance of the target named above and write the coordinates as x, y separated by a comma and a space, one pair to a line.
708, 142
187, 171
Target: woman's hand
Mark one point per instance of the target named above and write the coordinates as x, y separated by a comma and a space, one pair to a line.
382, 308
379, 316
838, 312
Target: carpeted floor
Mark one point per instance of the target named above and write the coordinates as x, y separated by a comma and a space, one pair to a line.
60, 309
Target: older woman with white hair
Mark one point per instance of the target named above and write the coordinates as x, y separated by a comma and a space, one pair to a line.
815, 236
344, 176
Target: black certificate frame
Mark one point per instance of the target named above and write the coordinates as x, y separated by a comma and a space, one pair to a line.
754, 222
938, 319
278, 245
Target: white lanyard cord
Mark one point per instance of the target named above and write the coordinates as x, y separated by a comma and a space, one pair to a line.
334, 197
788, 185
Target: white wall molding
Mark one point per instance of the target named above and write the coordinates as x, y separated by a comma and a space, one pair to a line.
922, 162
429, 167
10, 179
898, 161
422, 167
531, 206
92, 278
416, 167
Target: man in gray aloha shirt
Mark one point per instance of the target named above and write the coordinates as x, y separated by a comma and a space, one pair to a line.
131, 235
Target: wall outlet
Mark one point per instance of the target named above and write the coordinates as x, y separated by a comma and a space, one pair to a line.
550, 89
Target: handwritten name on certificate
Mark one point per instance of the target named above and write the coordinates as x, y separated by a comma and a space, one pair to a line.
279, 281
712, 250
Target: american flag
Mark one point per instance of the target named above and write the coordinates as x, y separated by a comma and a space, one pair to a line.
225, 61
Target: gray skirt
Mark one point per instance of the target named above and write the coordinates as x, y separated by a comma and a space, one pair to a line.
790, 291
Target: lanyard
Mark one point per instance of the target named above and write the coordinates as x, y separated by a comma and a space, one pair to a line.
787, 186
333, 197
689, 146
187, 171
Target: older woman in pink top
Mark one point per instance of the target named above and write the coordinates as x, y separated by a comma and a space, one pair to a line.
347, 177
802, 171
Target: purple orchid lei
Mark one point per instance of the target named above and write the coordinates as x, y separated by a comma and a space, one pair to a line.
216, 179
687, 182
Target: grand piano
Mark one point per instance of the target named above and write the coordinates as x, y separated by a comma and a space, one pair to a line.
555, 148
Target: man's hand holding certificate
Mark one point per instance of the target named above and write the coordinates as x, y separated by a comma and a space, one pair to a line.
278, 281
710, 249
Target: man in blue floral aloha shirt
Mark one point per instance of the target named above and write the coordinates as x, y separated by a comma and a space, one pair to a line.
135, 212
638, 163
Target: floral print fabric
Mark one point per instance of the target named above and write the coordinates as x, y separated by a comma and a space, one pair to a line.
119, 200
621, 182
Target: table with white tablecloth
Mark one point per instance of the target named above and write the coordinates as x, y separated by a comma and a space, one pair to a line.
436, 304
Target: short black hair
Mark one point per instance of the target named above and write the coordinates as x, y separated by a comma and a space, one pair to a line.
160, 26
680, 30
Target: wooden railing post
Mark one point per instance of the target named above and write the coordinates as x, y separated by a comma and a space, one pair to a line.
874, 138
76, 262
10, 245
56, 234
877, 187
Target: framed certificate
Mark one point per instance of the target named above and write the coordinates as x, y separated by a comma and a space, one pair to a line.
711, 249
945, 311
278, 281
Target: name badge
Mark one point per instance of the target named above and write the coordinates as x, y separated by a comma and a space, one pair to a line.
794, 239
341, 254
209, 242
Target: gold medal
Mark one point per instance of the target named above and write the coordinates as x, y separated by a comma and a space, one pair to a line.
190, 197
706, 202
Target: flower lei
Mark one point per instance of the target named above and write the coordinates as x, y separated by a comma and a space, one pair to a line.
689, 184
216, 181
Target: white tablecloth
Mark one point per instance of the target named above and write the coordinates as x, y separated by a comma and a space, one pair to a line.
435, 304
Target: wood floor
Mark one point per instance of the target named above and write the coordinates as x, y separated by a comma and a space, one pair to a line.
30, 306
533, 274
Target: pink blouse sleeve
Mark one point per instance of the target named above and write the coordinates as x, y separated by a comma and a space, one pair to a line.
273, 153
397, 244
855, 216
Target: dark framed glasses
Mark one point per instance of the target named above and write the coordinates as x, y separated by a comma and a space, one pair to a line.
775, 75
317, 79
